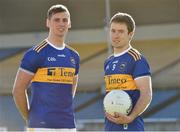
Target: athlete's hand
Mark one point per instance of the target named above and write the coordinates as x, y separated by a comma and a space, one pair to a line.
119, 118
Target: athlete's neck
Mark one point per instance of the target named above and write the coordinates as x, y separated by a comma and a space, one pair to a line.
57, 42
118, 50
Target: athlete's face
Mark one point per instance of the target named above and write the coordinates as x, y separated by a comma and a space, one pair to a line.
58, 24
119, 35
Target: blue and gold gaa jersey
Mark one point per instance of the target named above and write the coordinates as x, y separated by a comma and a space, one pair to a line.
51, 87
121, 70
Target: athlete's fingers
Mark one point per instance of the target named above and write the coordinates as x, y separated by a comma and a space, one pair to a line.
109, 116
116, 114
112, 119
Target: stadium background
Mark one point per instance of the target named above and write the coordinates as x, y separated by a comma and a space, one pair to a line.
22, 24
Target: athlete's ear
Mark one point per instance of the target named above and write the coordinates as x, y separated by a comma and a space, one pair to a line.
131, 34
47, 23
69, 25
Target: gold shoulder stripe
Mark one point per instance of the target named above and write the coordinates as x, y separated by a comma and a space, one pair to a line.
136, 54
40, 45
132, 55
69, 47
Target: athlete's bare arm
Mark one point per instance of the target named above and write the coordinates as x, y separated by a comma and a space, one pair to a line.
21, 84
145, 88
74, 86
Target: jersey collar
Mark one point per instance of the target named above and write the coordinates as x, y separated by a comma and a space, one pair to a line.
119, 54
58, 48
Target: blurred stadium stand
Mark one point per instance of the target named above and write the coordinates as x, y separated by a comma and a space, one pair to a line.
94, 110
9, 115
157, 37
8, 52
83, 97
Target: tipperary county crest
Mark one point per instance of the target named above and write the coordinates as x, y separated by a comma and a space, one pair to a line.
122, 66
72, 60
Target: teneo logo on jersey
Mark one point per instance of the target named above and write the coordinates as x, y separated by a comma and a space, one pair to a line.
119, 81
55, 75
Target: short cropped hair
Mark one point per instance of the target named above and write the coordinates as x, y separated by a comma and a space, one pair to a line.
56, 9
124, 18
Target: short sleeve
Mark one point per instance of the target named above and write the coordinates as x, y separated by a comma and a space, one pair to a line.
77, 64
30, 61
105, 64
141, 68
